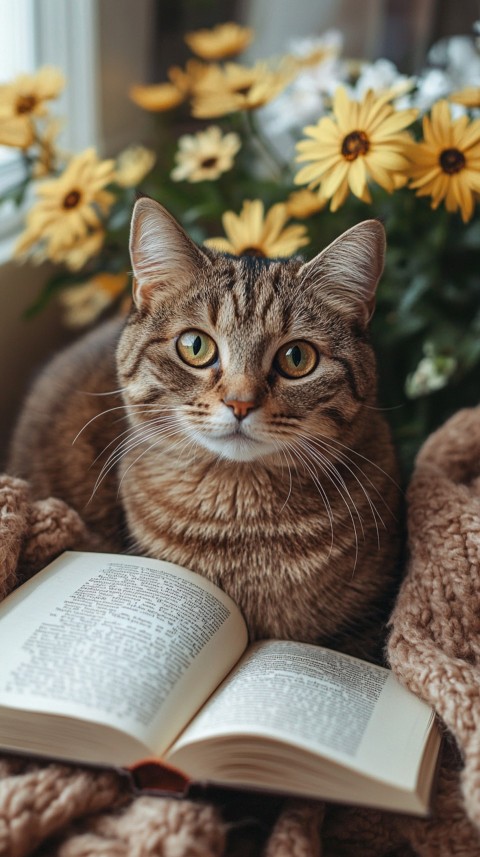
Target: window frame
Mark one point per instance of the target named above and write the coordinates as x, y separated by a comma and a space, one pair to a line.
102, 46
64, 34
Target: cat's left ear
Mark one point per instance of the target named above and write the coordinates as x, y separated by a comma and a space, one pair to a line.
348, 270
164, 257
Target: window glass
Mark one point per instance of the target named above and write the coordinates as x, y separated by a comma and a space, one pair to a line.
17, 50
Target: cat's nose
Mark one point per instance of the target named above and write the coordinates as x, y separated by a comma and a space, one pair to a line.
239, 407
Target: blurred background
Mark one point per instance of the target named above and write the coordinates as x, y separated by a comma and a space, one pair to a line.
103, 46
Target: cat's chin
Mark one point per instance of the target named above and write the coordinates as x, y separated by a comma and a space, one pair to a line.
237, 447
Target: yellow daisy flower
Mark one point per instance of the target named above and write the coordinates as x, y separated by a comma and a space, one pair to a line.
469, 96
221, 42
68, 207
133, 164
24, 98
235, 87
16, 131
206, 155
76, 255
446, 165
158, 97
186, 79
364, 139
303, 203
252, 233
83, 303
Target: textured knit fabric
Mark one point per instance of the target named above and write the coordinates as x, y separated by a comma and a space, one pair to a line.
434, 647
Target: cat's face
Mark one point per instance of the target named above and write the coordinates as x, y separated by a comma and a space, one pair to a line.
247, 357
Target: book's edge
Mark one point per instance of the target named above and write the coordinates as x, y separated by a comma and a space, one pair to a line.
154, 777
437, 743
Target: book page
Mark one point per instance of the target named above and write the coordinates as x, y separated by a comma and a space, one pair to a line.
135, 643
319, 700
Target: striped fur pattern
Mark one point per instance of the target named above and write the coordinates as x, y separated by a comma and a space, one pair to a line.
293, 510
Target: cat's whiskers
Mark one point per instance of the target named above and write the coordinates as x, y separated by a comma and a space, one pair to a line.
145, 451
149, 428
160, 415
109, 411
138, 433
335, 477
367, 460
321, 462
96, 417
324, 447
314, 476
106, 393
160, 436
282, 451
195, 445
126, 432
341, 487
116, 456
343, 459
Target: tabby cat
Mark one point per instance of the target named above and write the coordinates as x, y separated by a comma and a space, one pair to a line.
230, 425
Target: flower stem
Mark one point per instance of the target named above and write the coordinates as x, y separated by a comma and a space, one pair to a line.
277, 166
47, 154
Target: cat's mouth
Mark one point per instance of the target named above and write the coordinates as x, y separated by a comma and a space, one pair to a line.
235, 433
236, 445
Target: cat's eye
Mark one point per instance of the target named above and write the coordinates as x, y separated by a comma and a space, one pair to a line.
197, 348
296, 359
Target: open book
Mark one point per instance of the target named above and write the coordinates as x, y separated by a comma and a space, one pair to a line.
110, 659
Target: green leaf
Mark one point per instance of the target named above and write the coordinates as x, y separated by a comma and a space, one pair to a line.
16, 193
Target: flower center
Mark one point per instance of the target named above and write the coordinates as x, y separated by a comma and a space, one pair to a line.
452, 161
72, 199
207, 163
355, 144
254, 251
243, 90
26, 103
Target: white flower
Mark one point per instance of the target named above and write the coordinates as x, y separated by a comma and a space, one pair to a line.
305, 48
432, 373
380, 76
295, 107
459, 57
455, 64
133, 164
433, 84
308, 96
204, 156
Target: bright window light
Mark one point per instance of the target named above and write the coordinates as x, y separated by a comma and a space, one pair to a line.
17, 49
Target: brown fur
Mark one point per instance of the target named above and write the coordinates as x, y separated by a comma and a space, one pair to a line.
304, 533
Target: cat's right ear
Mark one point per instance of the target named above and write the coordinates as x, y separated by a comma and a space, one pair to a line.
164, 258
348, 270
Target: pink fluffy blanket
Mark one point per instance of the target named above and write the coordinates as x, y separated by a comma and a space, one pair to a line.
434, 648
